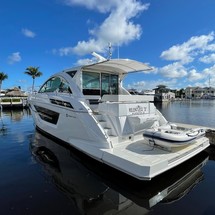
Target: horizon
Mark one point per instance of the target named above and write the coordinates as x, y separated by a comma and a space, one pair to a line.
176, 38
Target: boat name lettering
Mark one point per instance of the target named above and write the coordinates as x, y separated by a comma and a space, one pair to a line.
137, 110
67, 115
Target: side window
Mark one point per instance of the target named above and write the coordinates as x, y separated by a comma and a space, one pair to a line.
109, 84
91, 83
114, 84
64, 87
55, 84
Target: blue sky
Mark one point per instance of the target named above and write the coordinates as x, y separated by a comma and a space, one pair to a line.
176, 38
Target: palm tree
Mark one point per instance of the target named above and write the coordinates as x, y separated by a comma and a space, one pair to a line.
3, 76
34, 73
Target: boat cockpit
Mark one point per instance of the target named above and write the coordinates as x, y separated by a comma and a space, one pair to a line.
94, 83
83, 83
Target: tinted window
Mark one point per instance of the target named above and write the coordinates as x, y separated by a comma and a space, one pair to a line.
99, 83
91, 83
109, 84
55, 84
72, 73
91, 80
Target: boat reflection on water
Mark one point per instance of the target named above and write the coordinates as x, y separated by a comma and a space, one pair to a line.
99, 189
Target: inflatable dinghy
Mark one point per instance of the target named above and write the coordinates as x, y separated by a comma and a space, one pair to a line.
173, 137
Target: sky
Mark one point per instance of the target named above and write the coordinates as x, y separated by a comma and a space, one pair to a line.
175, 38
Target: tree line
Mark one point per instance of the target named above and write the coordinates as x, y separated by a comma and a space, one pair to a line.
31, 70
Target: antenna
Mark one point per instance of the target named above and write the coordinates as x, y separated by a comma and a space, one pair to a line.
110, 48
118, 50
209, 81
98, 57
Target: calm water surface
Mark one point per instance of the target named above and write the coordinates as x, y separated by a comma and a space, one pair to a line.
196, 112
41, 176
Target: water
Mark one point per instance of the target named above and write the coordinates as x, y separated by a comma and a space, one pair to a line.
41, 176
196, 112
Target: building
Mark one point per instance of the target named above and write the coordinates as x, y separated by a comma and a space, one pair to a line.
199, 92
163, 94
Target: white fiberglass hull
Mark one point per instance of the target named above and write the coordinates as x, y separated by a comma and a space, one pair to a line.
145, 162
140, 160
131, 156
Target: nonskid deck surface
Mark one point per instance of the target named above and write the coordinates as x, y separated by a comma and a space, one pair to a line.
147, 161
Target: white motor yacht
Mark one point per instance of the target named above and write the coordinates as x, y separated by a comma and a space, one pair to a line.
88, 108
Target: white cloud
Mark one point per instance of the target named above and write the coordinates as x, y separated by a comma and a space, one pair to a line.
177, 53
197, 50
208, 58
85, 61
28, 33
118, 28
101, 6
84, 47
194, 75
211, 47
139, 86
187, 51
210, 71
151, 84
65, 51
174, 70
14, 58
209, 74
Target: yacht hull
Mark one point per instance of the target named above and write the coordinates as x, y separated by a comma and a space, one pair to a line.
137, 159
88, 108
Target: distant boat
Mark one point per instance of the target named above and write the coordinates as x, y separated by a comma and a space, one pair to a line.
210, 97
88, 108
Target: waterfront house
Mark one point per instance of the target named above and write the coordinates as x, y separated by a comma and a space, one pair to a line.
199, 92
13, 98
163, 94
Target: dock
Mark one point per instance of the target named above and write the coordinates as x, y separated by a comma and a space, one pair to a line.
13, 102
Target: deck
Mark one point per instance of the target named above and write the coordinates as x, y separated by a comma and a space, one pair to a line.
13, 102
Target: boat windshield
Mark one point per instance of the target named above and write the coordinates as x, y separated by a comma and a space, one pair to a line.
55, 84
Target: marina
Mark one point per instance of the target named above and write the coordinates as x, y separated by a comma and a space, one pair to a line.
49, 173
103, 111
